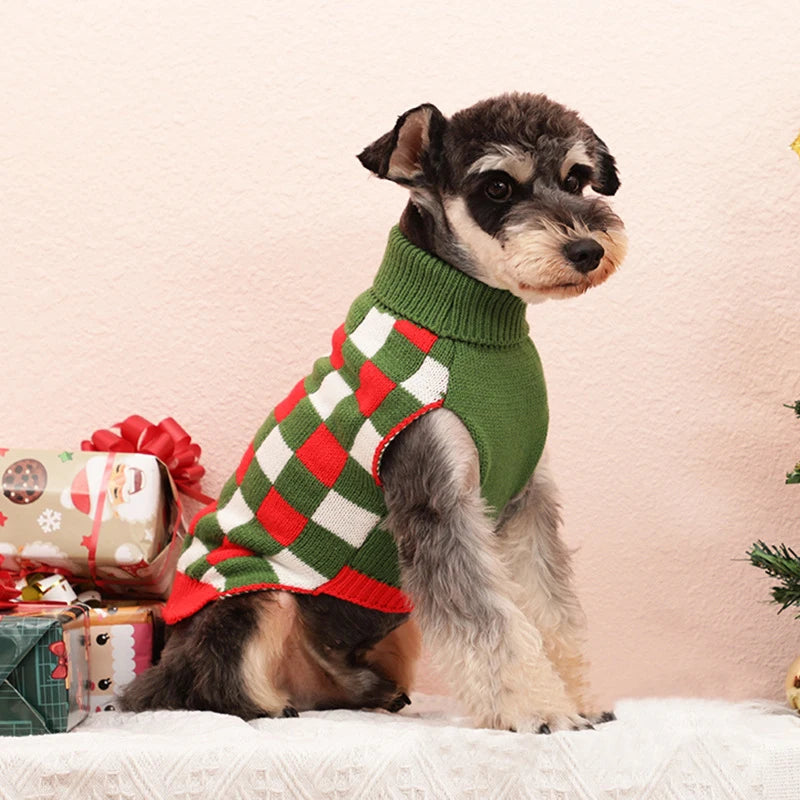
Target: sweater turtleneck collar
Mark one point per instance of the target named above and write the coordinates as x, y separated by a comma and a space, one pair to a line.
421, 287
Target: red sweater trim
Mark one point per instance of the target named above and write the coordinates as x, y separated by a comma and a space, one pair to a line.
190, 595
364, 591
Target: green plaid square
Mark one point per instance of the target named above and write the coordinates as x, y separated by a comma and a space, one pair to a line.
300, 424
238, 571
399, 405
377, 557
298, 487
322, 550
358, 486
398, 358
344, 423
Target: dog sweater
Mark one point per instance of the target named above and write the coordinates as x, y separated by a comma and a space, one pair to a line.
303, 510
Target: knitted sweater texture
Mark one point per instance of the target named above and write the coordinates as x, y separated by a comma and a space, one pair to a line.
303, 510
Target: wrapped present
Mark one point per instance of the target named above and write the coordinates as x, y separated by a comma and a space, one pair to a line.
111, 518
44, 671
123, 642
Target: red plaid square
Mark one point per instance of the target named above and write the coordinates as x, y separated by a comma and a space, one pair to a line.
227, 550
420, 337
337, 359
323, 456
284, 408
374, 386
280, 520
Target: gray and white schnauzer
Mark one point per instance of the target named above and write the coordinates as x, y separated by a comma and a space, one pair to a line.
499, 206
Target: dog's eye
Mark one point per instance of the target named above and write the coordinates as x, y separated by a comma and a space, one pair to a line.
499, 190
578, 178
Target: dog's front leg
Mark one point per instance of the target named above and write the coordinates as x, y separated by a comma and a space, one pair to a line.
493, 656
539, 563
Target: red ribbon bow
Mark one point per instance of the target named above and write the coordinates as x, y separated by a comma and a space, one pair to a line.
59, 650
167, 441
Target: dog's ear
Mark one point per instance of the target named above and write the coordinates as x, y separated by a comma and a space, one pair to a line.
410, 154
604, 178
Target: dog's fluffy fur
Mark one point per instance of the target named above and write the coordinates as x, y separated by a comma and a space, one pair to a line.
498, 191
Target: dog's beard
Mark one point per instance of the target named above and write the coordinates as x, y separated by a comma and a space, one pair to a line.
528, 259
536, 268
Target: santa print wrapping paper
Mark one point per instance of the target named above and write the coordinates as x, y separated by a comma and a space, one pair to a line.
123, 640
44, 672
111, 518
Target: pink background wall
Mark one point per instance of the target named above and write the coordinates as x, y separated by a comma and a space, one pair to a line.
183, 222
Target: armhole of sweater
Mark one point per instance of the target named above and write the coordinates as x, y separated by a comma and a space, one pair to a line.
433, 385
401, 426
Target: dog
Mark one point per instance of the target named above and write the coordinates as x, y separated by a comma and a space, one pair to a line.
451, 481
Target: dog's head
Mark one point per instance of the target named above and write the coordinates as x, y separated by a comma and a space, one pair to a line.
500, 190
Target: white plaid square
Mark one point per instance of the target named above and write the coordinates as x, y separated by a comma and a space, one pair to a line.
365, 444
273, 454
235, 513
429, 383
373, 332
291, 571
344, 518
215, 578
192, 553
332, 389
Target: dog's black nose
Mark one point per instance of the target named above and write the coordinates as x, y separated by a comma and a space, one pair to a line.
584, 254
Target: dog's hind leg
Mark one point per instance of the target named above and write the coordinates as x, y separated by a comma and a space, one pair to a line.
494, 657
225, 658
397, 654
347, 656
540, 566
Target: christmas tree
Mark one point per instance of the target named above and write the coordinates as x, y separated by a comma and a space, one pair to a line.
781, 562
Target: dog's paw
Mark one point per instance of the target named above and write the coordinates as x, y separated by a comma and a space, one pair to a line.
551, 723
399, 703
540, 723
600, 717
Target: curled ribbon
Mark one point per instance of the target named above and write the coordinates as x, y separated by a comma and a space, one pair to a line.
8, 585
9, 581
28, 585
59, 650
167, 441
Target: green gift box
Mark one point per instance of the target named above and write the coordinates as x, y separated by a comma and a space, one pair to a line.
44, 669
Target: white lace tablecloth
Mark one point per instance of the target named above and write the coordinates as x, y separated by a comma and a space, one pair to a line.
672, 748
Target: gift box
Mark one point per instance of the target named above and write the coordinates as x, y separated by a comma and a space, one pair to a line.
124, 639
111, 518
44, 671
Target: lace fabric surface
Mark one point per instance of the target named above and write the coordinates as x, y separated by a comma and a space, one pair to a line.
658, 748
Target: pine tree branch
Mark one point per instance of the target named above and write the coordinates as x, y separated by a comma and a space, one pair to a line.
782, 563
786, 597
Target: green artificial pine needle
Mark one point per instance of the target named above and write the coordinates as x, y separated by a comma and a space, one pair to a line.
782, 563
794, 475
794, 406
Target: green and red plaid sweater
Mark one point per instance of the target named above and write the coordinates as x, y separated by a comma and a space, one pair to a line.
303, 510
